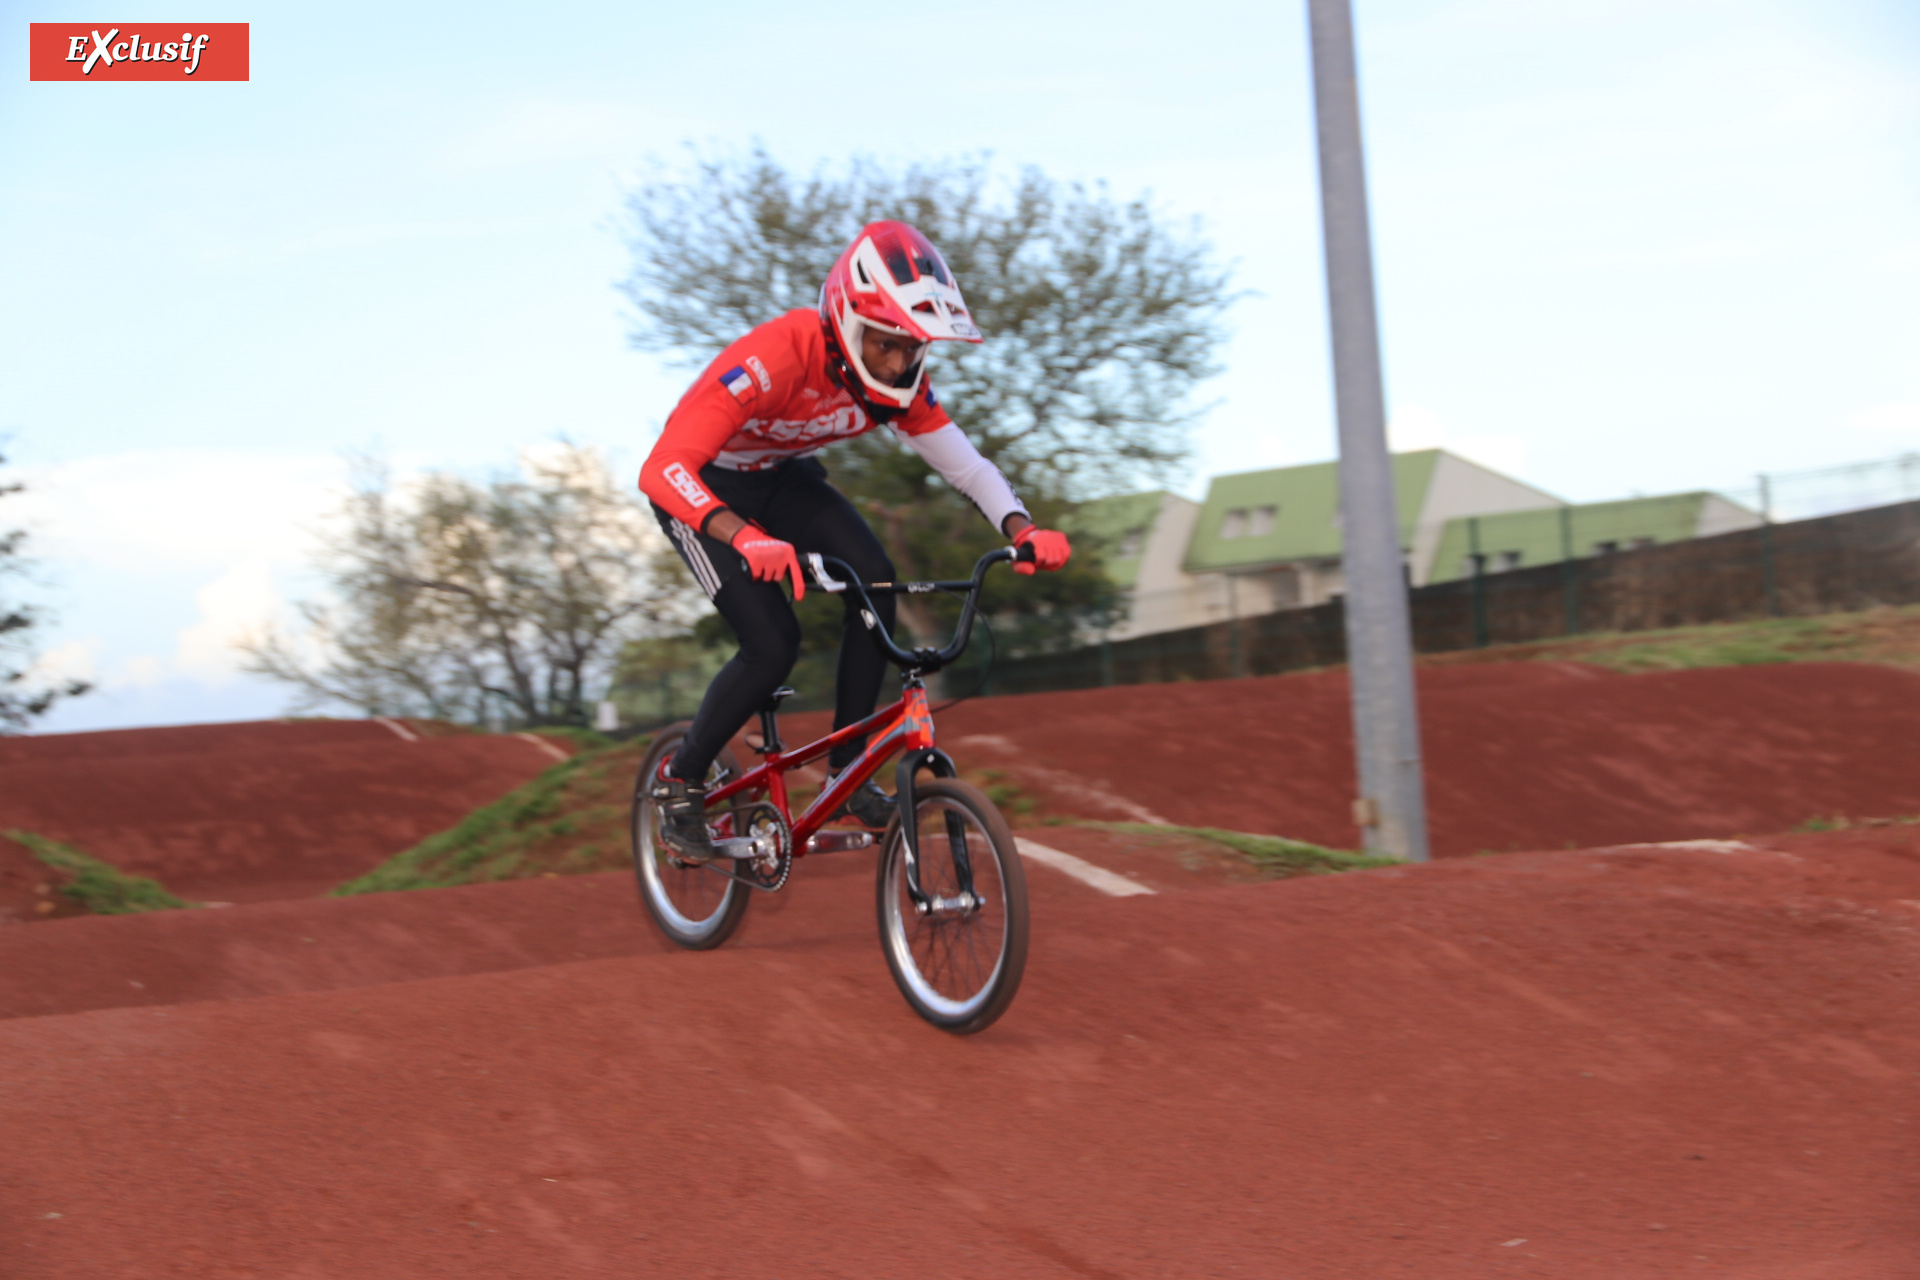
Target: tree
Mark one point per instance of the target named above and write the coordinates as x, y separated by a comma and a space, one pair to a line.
453, 599
25, 695
1100, 319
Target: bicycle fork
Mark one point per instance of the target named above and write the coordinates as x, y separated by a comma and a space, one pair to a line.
966, 900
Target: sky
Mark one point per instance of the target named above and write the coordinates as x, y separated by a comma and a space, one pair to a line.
1622, 247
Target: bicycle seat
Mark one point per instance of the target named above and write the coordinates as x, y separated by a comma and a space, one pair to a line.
777, 697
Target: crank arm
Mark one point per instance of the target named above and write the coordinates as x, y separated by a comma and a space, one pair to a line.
735, 849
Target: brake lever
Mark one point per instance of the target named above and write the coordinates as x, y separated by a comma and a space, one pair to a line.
826, 581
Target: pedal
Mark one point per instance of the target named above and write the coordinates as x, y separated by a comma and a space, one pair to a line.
840, 841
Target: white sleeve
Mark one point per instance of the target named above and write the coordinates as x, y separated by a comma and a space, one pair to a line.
948, 451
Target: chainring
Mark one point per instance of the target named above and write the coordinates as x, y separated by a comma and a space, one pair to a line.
768, 874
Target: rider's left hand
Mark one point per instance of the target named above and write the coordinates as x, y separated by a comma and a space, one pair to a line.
1050, 549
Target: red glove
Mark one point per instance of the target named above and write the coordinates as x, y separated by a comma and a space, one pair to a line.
767, 557
1050, 549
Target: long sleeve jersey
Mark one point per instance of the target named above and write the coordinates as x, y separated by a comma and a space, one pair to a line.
768, 398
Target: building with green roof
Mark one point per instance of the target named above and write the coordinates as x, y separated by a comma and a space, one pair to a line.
1267, 540
1516, 539
1274, 535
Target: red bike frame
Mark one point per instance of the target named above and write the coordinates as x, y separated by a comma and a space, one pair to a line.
907, 725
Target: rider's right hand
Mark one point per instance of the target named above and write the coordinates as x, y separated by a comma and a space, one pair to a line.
767, 557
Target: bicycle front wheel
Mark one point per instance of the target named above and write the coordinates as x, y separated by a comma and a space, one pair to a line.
958, 964
697, 907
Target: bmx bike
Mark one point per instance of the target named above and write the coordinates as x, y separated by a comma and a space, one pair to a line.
949, 888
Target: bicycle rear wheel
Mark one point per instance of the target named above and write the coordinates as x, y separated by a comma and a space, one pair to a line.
697, 907
958, 967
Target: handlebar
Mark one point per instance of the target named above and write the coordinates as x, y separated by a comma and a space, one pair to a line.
923, 661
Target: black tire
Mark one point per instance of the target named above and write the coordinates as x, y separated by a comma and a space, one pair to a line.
959, 971
696, 907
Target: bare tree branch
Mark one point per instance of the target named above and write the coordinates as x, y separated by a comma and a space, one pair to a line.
26, 694
452, 593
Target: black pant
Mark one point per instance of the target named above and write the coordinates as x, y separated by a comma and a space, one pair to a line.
793, 502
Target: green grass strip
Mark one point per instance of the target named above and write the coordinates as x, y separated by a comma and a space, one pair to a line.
102, 889
1726, 645
1272, 852
489, 844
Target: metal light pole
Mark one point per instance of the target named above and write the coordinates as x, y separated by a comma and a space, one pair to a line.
1391, 809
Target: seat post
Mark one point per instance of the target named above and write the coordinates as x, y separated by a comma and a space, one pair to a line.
770, 721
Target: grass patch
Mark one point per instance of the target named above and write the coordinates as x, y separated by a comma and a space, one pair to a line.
1841, 822
1739, 645
568, 821
1890, 635
101, 888
1276, 855
1006, 795
584, 739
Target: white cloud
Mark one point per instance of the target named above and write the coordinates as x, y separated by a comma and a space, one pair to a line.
239, 604
76, 659
1415, 426
142, 672
181, 508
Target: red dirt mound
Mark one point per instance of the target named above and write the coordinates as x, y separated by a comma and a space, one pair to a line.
1638, 1062
272, 948
243, 812
1518, 755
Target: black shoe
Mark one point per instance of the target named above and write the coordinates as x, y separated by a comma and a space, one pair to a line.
683, 818
868, 805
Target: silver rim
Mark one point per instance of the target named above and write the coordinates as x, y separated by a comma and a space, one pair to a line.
953, 965
655, 876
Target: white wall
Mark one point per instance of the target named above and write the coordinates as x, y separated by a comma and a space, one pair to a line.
1165, 597
1463, 488
1718, 515
1166, 545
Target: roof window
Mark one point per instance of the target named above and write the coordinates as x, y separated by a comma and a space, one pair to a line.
1248, 522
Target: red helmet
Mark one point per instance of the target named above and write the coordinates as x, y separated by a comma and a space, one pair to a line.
891, 278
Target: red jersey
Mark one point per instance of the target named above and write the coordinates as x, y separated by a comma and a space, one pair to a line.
763, 400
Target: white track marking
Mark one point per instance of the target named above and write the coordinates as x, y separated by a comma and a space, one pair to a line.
544, 745
1080, 869
405, 734
1703, 846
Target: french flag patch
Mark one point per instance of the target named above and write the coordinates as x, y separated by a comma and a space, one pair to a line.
737, 381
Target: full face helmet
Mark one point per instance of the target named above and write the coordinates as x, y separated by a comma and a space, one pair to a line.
891, 279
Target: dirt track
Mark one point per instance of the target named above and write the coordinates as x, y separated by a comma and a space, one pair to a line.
1639, 1063
1518, 755
1626, 1062
246, 812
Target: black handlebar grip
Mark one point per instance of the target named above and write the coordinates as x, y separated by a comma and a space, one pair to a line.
1024, 553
